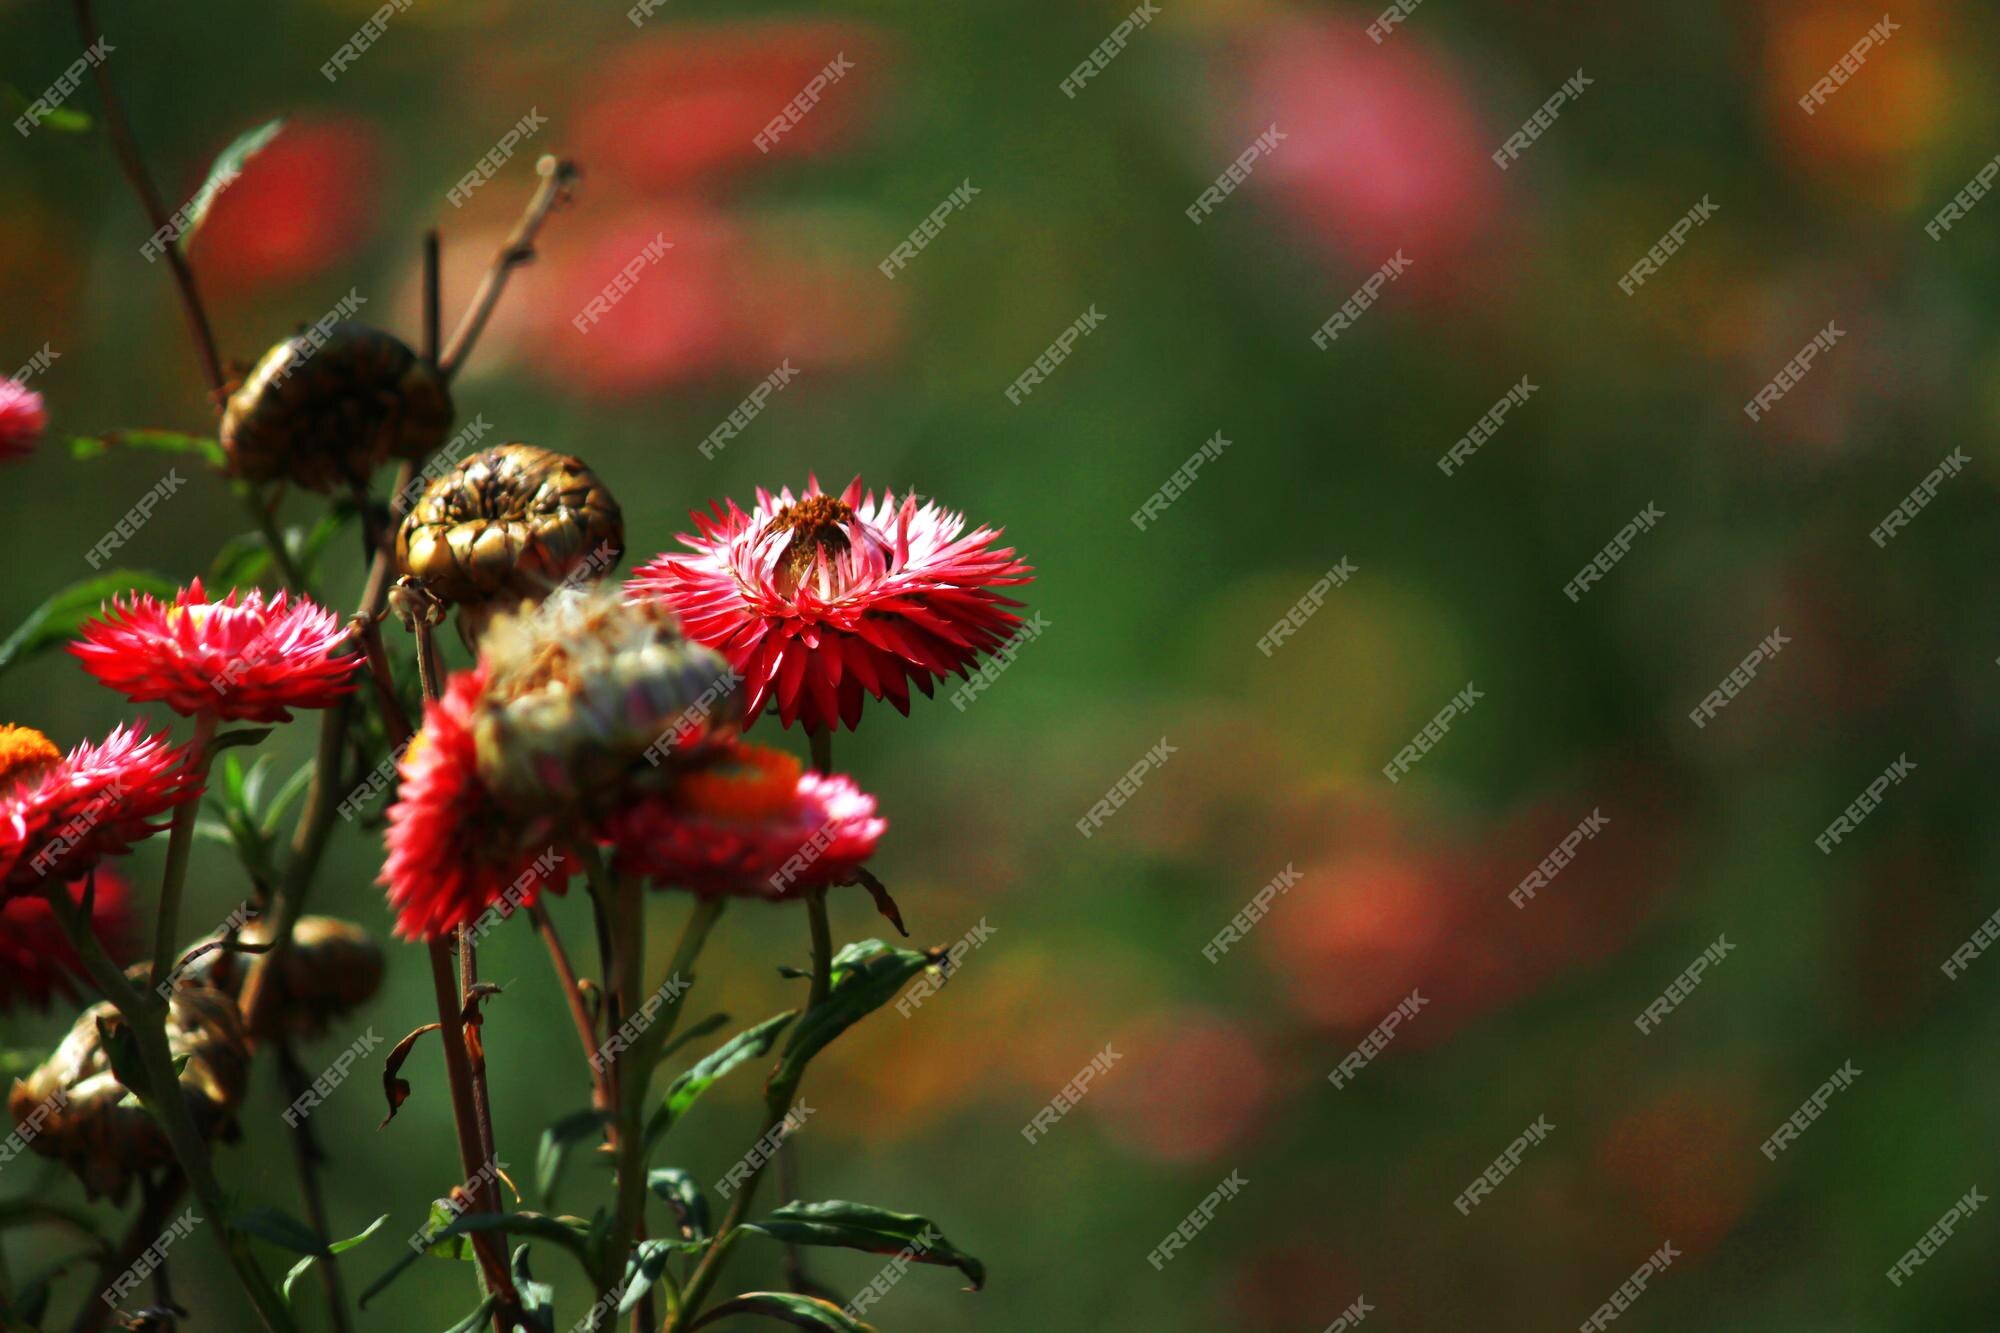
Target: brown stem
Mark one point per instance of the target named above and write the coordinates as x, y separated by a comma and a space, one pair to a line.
601, 1097
471, 1142
559, 176
134, 167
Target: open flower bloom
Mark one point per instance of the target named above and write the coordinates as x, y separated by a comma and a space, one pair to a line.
750, 824
240, 658
37, 962
822, 599
61, 814
22, 419
453, 852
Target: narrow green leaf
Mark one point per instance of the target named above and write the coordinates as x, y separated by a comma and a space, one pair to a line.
749, 1044
557, 1140
281, 800
475, 1321
538, 1299
121, 1048
540, 1226
338, 1247
241, 736
783, 1306
227, 166
156, 441
865, 976
693, 1032
281, 1229
648, 1261
683, 1194
57, 620
860, 1226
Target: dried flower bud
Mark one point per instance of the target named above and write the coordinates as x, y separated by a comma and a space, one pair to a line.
589, 697
510, 523
73, 1108
326, 408
332, 968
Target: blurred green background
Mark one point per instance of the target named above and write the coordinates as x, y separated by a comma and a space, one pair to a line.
1152, 633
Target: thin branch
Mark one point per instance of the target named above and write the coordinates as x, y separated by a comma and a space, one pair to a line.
559, 177
134, 167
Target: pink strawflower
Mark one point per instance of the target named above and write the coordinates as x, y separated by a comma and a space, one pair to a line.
61, 814
22, 419
819, 600
242, 658
751, 825
453, 853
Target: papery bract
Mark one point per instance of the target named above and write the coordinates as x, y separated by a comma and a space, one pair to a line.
821, 600
245, 657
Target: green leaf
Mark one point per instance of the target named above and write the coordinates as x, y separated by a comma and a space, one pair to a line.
57, 620
281, 800
694, 1032
121, 1048
749, 1044
281, 1229
540, 1226
475, 1321
227, 166
241, 736
860, 1226
683, 1194
864, 977
60, 119
557, 1140
338, 1247
442, 1215
538, 1299
157, 441
648, 1261
783, 1306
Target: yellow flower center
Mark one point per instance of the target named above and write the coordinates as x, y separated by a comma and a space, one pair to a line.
25, 754
198, 612
753, 783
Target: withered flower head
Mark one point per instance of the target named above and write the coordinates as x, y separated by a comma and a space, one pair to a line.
589, 696
509, 524
327, 407
332, 968
73, 1108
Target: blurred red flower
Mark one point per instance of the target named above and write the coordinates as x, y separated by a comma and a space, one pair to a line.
691, 103
1383, 150
306, 201
36, 960
22, 420
1196, 1083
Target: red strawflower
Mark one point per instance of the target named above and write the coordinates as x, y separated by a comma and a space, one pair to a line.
249, 659
752, 825
61, 814
22, 419
36, 960
818, 600
453, 853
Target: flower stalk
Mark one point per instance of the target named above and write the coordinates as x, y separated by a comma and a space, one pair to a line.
145, 1018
